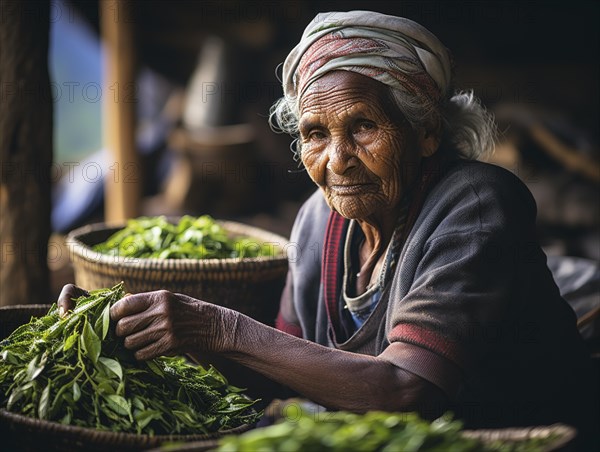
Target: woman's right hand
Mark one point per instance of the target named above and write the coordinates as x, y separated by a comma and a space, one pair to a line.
164, 323
66, 299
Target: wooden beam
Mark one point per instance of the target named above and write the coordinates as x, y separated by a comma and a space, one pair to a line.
25, 152
124, 181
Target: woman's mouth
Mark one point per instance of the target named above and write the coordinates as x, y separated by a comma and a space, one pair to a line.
351, 189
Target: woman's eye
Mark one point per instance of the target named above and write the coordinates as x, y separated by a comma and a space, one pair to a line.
365, 126
315, 135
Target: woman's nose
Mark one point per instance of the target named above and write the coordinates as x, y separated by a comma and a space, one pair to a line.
341, 157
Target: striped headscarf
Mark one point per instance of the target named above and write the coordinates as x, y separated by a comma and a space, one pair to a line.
393, 50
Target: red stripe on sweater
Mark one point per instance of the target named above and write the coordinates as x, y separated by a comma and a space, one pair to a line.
283, 325
428, 339
329, 277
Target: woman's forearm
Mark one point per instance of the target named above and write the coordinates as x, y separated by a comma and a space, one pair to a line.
162, 323
333, 378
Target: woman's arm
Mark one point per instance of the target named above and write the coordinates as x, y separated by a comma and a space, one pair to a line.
333, 378
162, 323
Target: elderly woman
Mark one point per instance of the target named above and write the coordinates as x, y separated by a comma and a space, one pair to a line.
419, 284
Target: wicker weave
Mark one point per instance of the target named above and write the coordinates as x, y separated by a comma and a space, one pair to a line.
249, 285
564, 436
13, 316
24, 433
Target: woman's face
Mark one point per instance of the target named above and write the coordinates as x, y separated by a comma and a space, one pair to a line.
353, 149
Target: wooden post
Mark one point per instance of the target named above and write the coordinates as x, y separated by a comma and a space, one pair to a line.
123, 182
25, 152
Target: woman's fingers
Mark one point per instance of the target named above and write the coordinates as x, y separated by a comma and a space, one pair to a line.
131, 304
146, 320
133, 323
159, 348
67, 297
163, 323
136, 341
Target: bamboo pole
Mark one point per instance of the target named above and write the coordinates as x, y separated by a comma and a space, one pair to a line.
123, 182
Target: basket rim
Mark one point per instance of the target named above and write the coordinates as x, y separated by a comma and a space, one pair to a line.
86, 253
31, 307
566, 433
109, 436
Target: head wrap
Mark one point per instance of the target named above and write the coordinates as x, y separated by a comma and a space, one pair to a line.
393, 50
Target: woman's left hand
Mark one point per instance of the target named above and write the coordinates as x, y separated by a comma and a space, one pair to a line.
163, 323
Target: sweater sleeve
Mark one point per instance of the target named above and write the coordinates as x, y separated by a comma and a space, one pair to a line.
287, 319
458, 278
298, 305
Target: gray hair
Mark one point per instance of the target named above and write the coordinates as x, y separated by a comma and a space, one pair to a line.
466, 126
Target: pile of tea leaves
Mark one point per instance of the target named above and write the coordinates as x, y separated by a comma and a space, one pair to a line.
73, 370
374, 431
191, 238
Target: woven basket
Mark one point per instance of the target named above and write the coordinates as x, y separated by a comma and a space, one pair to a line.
22, 433
28, 434
14, 316
249, 285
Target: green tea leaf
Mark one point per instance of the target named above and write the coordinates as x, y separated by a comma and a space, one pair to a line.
66, 420
118, 404
143, 418
44, 401
90, 342
15, 396
106, 387
8, 357
113, 366
155, 368
71, 341
185, 417
36, 366
76, 391
105, 321
138, 404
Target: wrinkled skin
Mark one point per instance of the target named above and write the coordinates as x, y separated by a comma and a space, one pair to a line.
358, 153
163, 323
363, 155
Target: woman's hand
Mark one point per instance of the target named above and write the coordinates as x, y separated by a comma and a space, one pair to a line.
163, 323
67, 297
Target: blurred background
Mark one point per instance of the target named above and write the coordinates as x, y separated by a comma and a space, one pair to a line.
204, 77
